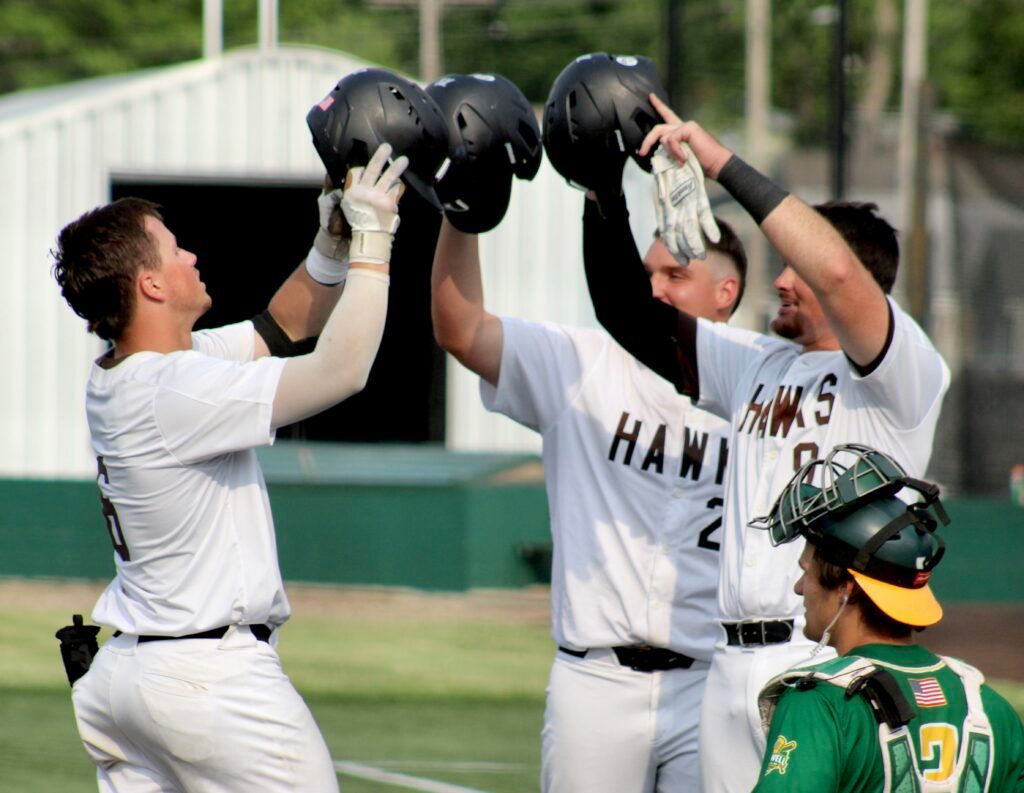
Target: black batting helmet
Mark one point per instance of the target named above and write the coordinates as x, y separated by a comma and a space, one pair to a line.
492, 135
598, 114
374, 106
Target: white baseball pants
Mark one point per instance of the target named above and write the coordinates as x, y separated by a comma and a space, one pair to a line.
731, 740
610, 729
198, 715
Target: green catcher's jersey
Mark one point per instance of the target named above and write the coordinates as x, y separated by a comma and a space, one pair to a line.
823, 741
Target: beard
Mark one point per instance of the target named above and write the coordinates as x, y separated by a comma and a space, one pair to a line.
784, 327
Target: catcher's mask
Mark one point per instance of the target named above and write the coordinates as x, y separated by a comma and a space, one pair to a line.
597, 114
374, 106
855, 520
493, 135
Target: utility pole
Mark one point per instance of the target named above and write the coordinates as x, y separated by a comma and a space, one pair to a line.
430, 12
758, 88
911, 157
430, 39
839, 141
213, 28
674, 58
267, 23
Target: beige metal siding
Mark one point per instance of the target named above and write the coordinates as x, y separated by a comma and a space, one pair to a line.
239, 115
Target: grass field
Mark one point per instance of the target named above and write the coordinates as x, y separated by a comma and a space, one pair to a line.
431, 687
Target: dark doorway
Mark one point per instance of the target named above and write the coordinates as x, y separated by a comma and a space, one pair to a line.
249, 235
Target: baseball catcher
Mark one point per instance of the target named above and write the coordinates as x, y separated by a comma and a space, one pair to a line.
887, 714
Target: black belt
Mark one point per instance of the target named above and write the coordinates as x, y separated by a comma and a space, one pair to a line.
642, 658
755, 634
261, 632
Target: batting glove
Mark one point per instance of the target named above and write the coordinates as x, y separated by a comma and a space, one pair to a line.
328, 259
682, 205
370, 204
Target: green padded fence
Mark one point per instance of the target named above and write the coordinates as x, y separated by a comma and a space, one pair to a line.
424, 517
416, 516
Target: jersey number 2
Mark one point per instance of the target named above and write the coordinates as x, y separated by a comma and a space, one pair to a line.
704, 540
110, 514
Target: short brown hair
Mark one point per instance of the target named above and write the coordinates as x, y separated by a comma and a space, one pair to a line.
97, 258
730, 245
832, 576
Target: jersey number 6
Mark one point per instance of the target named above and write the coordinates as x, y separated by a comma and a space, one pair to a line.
110, 514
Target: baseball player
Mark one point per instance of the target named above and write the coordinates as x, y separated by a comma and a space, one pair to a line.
851, 366
634, 477
886, 715
189, 693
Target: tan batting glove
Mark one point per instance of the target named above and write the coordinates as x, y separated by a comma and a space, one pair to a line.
370, 204
328, 259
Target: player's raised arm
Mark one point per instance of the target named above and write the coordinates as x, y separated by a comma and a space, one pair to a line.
624, 304
340, 364
462, 326
852, 300
595, 120
300, 307
493, 136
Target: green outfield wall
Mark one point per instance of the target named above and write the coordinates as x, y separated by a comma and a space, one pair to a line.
426, 518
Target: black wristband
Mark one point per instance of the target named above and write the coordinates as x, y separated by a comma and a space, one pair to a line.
277, 340
754, 191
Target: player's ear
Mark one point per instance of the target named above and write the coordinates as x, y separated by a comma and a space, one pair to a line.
727, 292
149, 285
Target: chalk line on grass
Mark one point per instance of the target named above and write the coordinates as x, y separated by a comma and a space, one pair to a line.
374, 774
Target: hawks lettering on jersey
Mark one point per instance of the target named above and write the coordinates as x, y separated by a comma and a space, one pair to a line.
693, 455
777, 415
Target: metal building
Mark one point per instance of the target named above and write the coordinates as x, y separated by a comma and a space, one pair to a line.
238, 116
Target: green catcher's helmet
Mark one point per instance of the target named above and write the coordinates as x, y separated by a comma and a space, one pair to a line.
856, 521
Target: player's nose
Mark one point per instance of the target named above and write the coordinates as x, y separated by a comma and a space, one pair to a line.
784, 280
657, 287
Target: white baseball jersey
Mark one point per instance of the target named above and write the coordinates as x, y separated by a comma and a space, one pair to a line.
787, 408
183, 494
634, 477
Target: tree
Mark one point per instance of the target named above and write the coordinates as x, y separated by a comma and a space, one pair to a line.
976, 58
44, 42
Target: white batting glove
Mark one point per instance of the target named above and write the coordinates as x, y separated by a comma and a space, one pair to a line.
682, 206
328, 260
370, 204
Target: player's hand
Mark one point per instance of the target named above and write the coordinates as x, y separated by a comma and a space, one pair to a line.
330, 239
370, 204
328, 260
370, 200
672, 134
682, 206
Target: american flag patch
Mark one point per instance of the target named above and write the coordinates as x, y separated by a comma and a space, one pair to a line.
928, 692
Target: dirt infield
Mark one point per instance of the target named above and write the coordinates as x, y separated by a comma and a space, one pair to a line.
990, 636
